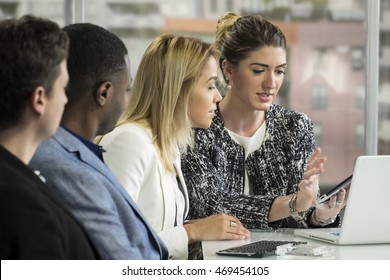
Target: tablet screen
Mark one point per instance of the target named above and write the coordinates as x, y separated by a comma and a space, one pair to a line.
335, 190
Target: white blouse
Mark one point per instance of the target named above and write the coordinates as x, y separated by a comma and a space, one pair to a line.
250, 144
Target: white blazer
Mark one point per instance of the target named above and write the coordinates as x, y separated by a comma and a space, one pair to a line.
135, 161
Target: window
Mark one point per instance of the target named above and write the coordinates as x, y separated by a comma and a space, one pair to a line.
317, 129
360, 91
213, 6
229, 5
319, 57
357, 57
326, 58
319, 98
359, 134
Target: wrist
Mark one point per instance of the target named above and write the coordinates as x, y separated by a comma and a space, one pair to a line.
321, 221
190, 229
293, 208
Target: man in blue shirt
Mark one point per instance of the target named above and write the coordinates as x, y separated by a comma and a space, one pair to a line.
98, 91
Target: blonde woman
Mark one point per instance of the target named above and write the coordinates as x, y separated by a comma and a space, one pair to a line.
174, 90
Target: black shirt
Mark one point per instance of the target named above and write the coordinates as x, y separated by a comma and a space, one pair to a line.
34, 223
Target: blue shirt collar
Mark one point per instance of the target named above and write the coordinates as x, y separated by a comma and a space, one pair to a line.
96, 149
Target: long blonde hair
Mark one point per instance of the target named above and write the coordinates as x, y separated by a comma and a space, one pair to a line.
168, 71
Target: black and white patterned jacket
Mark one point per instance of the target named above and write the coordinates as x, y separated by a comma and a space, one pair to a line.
214, 169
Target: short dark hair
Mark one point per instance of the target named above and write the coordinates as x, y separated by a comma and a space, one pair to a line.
31, 51
95, 54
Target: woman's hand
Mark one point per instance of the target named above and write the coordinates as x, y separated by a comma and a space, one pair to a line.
216, 227
309, 187
307, 194
330, 208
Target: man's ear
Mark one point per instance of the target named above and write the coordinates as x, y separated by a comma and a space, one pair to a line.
38, 100
103, 93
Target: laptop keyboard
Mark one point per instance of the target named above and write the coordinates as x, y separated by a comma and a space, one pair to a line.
257, 249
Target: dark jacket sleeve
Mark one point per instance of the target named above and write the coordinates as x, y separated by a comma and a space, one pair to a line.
209, 194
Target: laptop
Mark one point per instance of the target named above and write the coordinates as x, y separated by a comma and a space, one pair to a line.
366, 217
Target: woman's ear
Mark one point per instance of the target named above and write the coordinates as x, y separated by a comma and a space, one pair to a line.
227, 69
38, 100
103, 93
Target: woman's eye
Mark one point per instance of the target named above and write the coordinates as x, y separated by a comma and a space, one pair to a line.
212, 86
258, 71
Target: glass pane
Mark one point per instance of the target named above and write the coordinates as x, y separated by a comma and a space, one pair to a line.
384, 80
56, 10
326, 56
327, 77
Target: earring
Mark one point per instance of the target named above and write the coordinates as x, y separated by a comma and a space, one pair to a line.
229, 86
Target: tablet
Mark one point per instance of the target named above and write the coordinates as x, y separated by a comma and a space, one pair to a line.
329, 194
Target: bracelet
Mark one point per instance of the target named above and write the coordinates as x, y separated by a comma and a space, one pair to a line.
293, 203
322, 222
298, 216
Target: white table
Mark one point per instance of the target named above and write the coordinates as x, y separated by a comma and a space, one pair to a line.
340, 252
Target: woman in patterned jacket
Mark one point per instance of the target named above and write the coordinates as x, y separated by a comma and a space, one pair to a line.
258, 160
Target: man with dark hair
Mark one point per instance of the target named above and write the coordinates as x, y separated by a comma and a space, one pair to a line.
33, 77
98, 92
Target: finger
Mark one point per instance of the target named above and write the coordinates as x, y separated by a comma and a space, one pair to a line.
332, 202
239, 231
233, 224
340, 198
233, 236
231, 219
313, 171
237, 221
346, 195
337, 199
235, 227
316, 163
315, 154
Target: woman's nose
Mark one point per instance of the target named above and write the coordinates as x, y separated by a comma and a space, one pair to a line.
217, 96
270, 81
